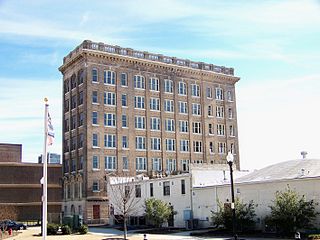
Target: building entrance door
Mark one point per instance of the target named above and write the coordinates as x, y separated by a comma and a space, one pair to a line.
96, 211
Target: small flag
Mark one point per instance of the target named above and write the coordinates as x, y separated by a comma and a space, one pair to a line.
50, 133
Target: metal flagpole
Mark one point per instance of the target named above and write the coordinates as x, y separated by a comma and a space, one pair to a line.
45, 166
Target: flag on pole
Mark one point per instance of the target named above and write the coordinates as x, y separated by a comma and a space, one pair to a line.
50, 131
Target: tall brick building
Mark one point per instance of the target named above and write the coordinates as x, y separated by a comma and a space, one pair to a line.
142, 113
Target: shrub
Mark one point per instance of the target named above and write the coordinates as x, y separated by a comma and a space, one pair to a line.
52, 229
66, 230
314, 236
83, 229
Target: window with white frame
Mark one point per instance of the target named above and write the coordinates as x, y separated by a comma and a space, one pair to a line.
95, 97
94, 74
154, 84
95, 140
220, 129
196, 127
124, 121
155, 123
110, 140
139, 102
124, 100
183, 107
125, 143
156, 164
110, 119
195, 90
95, 118
197, 146
183, 126
139, 82
210, 111
229, 96
170, 144
140, 143
221, 147
139, 122
168, 105
125, 163
185, 165
169, 125
231, 131
155, 104
211, 147
124, 79
171, 165
110, 163
184, 145
182, 88
155, 144
168, 86
209, 92
196, 109
166, 188
95, 186
141, 164
210, 129
230, 113
219, 111
95, 162
109, 77
219, 94
232, 148
110, 98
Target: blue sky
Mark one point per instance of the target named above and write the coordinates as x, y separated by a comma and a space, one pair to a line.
274, 47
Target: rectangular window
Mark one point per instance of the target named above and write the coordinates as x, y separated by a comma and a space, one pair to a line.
139, 102
80, 98
95, 162
219, 94
230, 113
110, 163
210, 112
211, 147
195, 90
209, 92
125, 142
110, 119
81, 139
231, 131
166, 188
81, 119
170, 144
196, 127
155, 123
229, 96
185, 165
219, 111
155, 144
110, 141
94, 74
140, 143
94, 96
196, 109
124, 79
154, 84
109, 77
156, 164
182, 88
151, 189
197, 146
124, 101
139, 122
73, 102
183, 126
183, 186
183, 107
168, 86
171, 165
184, 145
109, 98
125, 163
138, 191
124, 121
155, 104
220, 129
232, 148
139, 82
95, 118
210, 126
141, 164
221, 147
95, 140
169, 125
168, 105
95, 186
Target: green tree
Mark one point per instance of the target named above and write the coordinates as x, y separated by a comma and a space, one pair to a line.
291, 212
157, 211
245, 213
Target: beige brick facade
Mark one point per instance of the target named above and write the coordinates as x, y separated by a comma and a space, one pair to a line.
175, 94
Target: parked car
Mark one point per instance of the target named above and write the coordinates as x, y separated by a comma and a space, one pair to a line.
7, 224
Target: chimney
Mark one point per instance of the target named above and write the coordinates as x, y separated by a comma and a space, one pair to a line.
304, 154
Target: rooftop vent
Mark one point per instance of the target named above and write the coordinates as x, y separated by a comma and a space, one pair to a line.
304, 154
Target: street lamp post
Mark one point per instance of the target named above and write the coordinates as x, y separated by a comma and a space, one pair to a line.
230, 159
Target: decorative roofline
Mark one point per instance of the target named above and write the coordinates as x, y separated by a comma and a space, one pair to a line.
87, 44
